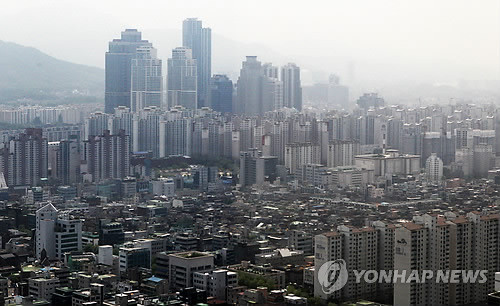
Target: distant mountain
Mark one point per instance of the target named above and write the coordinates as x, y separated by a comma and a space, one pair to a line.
25, 71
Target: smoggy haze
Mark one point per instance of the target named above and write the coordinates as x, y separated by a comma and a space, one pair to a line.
433, 41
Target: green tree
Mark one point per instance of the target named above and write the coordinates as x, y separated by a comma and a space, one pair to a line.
314, 301
254, 281
89, 247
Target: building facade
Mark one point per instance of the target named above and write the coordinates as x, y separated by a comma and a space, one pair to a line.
182, 83
118, 68
199, 40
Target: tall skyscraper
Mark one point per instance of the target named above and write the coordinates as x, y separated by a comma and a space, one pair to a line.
199, 39
249, 87
270, 71
292, 89
272, 94
182, 79
259, 89
221, 93
272, 88
118, 68
147, 79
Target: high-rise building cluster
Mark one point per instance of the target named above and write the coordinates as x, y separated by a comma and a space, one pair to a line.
427, 243
199, 40
123, 52
192, 189
134, 77
260, 88
22, 115
380, 142
23, 159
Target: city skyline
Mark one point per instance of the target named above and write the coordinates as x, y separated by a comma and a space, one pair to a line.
449, 41
134, 78
337, 153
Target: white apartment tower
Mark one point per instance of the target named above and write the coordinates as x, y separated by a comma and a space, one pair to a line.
434, 168
299, 154
449, 242
146, 79
358, 247
341, 153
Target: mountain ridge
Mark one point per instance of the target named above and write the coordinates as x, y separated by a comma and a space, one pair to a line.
27, 70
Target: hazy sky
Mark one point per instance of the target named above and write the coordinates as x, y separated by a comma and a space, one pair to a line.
441, 39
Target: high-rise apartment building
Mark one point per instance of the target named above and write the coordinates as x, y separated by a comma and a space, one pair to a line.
147, 79
118, 68
248, 167
96, 123
434, 168
449, 242
146, 131
67, 161
199, 40
343, 244
484, 159
23, 159
182, 84
299, 154
272, 94
342, 152
175, 137
108, 156
272, 88
438, 243
124, 119
271, 71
